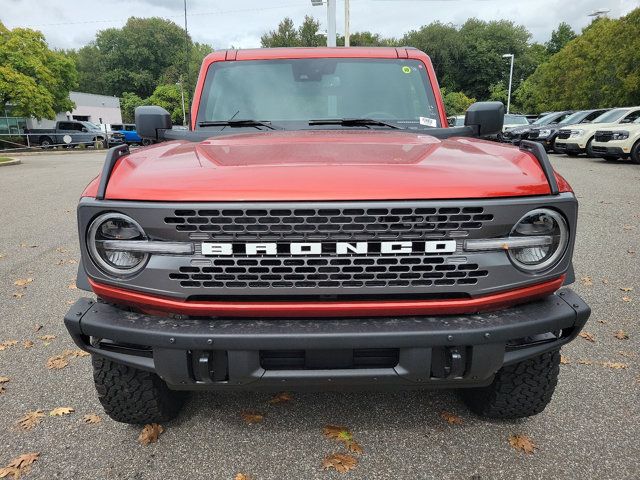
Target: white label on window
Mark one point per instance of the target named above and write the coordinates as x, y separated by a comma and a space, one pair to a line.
429, 122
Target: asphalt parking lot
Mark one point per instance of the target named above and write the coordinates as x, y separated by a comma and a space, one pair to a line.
590, 430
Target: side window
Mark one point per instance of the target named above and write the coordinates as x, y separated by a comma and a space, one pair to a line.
593, 115
64, 126
130, 128
631, 117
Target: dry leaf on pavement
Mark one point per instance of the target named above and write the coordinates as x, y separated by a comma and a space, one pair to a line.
27, 344
337, 432
615, 365
251, 416
341, 462
564, 360
282, 397
4, 379
19, 465
241, 476
585, 362
75, 353
17, 294
91, 419
30, 419
451, 418
587, 281
588, 336
57, 362
621, 335
627, 289
523, 443
46, 338
626, 299
72, 286
22, 282
354, 447
37, 327
7, 343
150, 433
60, 411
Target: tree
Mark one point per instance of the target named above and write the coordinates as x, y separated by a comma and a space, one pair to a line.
559, 38
456, 103
594, 70
169, 98
286, 35
34, 79
128, 103
138, 57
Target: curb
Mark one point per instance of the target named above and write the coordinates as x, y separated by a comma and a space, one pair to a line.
36, 153
15, 161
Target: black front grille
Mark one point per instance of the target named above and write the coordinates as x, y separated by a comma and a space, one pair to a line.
564, 134
603, 136
329, 359
321, 272
329, 223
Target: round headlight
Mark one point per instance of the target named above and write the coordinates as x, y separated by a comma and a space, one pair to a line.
541, 222
115, 226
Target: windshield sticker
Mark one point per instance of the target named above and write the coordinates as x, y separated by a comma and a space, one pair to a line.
429, 122
406, 69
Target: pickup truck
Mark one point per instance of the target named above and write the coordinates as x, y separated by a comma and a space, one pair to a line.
69, 133
130, 134
319, 225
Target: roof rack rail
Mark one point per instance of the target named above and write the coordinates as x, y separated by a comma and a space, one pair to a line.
543, 159
113, 155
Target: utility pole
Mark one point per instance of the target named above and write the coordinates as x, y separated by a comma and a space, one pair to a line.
331, 23
509, 55
184, 110
347, 41
186, 59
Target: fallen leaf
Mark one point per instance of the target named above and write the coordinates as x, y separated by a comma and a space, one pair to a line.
57, 362
341, 434
628, 227
354, 447
28, 245
621, 335
341, 462
72, 286
627, 354
588, 336
251, 416
4, 379
91, 419
451, 418
631, 251
17, 294
27, 344
564, 360
61, 250
75, 353
523, 443
37, 327
587, 281
19, 465
615, 365
241, 476
150, 433
627, 289
282, 397
2, 389
605, 281
30, 419
604, 322
626, 299
7, 344
60, 411
585, 362
46, 338
21, 282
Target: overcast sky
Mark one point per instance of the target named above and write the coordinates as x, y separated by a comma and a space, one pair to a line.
240, 23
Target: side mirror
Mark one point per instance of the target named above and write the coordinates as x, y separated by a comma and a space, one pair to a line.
152, 121
487, 118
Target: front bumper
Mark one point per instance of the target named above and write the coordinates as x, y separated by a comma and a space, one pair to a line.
399, 352
561, 146
610, 149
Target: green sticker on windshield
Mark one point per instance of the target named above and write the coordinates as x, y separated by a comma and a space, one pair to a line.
406, 69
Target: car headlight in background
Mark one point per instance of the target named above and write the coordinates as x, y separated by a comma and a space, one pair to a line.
544, 133
620, 135
107, 238
576, 133
536, 243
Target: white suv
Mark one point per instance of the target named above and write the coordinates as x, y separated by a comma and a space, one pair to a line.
612, 143
576, 139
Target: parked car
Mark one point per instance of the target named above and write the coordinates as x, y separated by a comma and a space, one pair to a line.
612, 143
130, 133
546, 134
515, 135
455, 120
325, 229
511, 121
574, 141
69, 133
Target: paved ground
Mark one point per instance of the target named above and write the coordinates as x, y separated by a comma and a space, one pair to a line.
590, 430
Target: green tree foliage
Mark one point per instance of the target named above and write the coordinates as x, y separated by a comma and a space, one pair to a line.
456, 103
33, 78
169, 98
559, 38
600, 68
128, 103
138, 57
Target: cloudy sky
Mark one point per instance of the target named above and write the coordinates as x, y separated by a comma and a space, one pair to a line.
240, 23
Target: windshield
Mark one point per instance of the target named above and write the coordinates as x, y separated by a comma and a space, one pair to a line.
515, 120
90, 126
576, 117
299, 90
611, 115
548, 118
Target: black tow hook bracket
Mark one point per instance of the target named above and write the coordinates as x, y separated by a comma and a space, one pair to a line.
456, 363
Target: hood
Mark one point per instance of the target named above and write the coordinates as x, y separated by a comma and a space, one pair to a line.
324, 165
590, 127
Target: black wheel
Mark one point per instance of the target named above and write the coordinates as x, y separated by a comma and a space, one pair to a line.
589, 149
520, 390
129, 395
145, 142
635, 152
46, 142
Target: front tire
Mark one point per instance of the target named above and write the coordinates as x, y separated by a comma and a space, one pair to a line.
519, 390
635, 153
134, 396
589, 149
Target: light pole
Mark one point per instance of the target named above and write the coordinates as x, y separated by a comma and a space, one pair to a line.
347, 40
331, 20
184, 111
511, 56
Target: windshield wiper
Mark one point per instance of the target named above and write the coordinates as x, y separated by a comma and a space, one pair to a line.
354, 122
237, 123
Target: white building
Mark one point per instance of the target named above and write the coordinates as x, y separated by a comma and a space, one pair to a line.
89, 107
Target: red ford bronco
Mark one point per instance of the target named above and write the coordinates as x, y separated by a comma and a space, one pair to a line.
319, 226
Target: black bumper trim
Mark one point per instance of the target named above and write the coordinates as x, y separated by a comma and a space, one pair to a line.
173, 340
609, 150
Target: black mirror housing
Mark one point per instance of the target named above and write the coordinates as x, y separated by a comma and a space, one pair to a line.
151, 121
487, 118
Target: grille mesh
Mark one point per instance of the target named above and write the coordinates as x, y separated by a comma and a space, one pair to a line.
321, 272
329, 223
603, 136
564, 134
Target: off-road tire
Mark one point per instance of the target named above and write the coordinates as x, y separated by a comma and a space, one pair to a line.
134, 396
589, 150
635, 153
46, 142
519, 390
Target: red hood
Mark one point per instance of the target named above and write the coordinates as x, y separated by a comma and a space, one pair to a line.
325, 165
